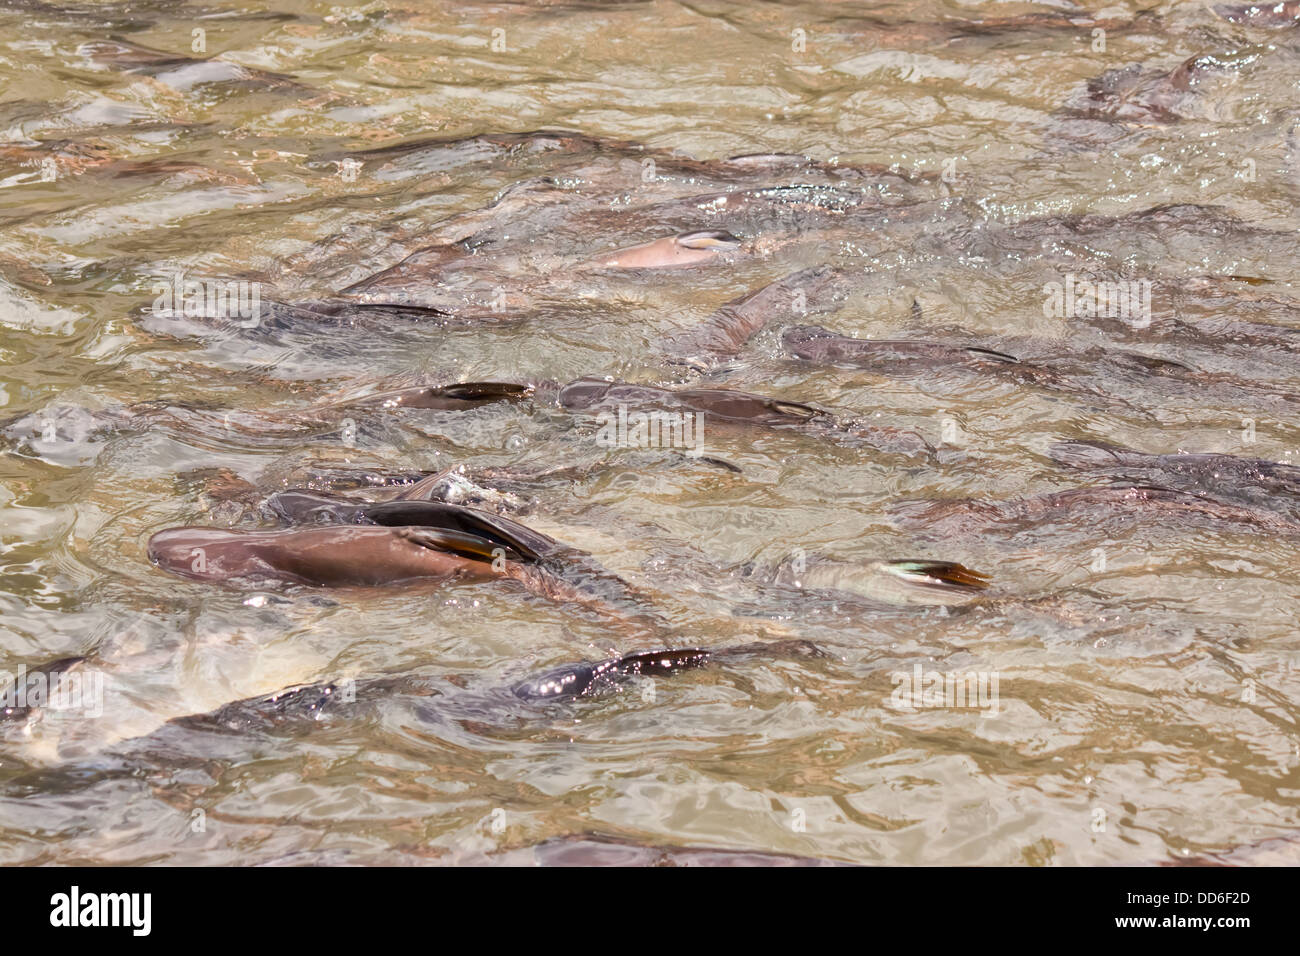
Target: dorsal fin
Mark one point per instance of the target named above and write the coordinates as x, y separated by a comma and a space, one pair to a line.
708, 239
456, 542
991, 353
501, 532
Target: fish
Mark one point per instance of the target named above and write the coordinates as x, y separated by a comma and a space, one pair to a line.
820, 345
1095, 509
301, 708
512, 489
1250, 482
1134, 97
512, 251
1096, 240
75, 433
568, 683
934, 362
720, 336
533, 700
599, 165
455, 397
1104, 376
321, 557
1138, 96
734, 408
507, 263
878, 588
1028, 28
396, 542
686, 249
16, 711
1211, 314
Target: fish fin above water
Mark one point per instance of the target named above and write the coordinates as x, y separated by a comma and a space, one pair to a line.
719, 463
943, 574
456, 542
991, 353
425, 489
477, 527
589, 678
484, 390
795, 409
708, 239
449, 397
395, 309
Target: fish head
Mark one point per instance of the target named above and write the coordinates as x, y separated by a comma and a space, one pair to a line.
584, 393
806, 341
205, 554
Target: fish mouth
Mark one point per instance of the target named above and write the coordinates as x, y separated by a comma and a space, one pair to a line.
174, 550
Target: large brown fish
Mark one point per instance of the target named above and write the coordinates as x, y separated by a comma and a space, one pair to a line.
321, 557
396, 542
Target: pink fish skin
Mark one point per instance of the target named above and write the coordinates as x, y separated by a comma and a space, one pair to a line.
670, 252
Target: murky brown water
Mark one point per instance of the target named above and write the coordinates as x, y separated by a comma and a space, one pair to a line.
1145, 660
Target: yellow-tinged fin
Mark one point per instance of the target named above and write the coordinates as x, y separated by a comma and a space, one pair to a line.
455, 542
437, 516
708, 239
940, 574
